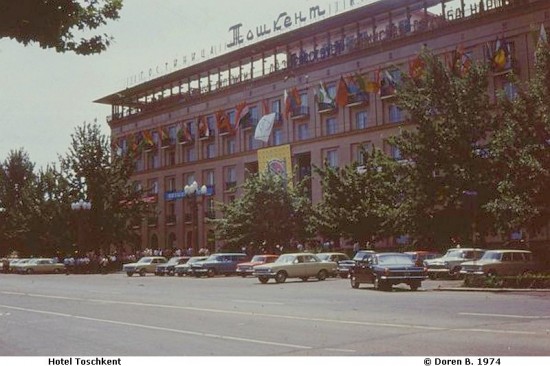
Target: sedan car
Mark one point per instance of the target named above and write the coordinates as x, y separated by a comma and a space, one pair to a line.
247, 268
185, 269
420, 256
143, 266
344, 266
384, 270
502, 262
450, 263
40, 265
296, 265
168, 268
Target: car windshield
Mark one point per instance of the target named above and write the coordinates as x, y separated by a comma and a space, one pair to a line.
285, 258
491, 256
145, 260
196, 259
323, 257
258, 258
174, 260
215, 257
361, 256
395, 259
454, 254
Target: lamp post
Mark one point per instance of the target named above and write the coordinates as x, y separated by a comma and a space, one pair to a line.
80, 207
193, 192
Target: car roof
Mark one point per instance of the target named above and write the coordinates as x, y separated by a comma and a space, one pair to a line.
509, 251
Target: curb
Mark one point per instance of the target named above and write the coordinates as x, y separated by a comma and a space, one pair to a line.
473, 289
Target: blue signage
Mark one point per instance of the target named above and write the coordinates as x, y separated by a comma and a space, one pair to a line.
178, 195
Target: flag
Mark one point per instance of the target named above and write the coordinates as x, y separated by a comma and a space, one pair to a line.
264, 127
265, 107
322, 95
374, 86
164, 138
222, 121
460, 62
286, 99
353, 87
148, 139
243, 114
416, 68
500, 57
204, 130
361, 83
342, 93
184, 133
295, 100
543, 39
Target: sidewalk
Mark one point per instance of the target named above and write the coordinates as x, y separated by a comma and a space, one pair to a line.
457, 285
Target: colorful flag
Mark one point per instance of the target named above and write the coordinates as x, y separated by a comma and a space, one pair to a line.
322, 95
204, 130
342, 93
500, 57
374, 86
243, 114
184, 133
148, 139
222, 121
361, 83
416, 68
264, 127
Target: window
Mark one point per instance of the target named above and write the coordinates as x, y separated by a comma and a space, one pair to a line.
361, 120
153, 159
210, 150
510, 90
153, 186
303, 131
209, 177
190, 154
173, 134
395, 153
170, 157
170, 184
331, 90
251, 142
277, 136
211, 122
303, 99
395, 113
230, 177
230, 145
331, 157
276, 106
254, 117
231, 116
358, 152
331, 126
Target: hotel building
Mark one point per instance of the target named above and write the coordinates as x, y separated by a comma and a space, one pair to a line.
187, 121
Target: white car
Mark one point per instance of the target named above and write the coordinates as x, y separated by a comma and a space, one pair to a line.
143, 266
297, 265
40, 265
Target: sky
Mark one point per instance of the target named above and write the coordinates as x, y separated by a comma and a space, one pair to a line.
45, 95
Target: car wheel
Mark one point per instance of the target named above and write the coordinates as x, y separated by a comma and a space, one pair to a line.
129, 274
432, 276
29, 271
322, 275
381, 285
414, 285
353, 281
280, 277
142, 272
57, 271
454, 273
211, 272
304, 279
263, 279
243, 275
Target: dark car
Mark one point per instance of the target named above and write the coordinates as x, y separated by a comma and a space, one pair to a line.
384, 270
220, 263
344, 266
168, 268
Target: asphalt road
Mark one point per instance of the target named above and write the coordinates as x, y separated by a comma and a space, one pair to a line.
108, 315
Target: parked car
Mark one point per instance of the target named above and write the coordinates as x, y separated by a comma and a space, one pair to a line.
502, 262
247, 268
185, 269
450, 263
220, 263
297, 265
335, 257
16, 262
345, 265
143, 266
168, 268
420, 256
384, 270
40, 265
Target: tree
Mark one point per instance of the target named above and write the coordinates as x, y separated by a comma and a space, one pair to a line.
447, 181
102, 178
520, 153
18, 201
269, 213
53, 24
359, 201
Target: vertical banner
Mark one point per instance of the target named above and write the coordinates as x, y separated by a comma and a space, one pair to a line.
277, 160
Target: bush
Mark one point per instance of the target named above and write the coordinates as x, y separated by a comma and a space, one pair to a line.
534, 281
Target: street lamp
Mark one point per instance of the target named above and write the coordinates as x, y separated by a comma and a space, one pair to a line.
192, 191
81, 206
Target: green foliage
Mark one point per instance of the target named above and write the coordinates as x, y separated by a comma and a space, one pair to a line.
359, 202
268, 213
520, 153
448, 180
54, 24
97, 176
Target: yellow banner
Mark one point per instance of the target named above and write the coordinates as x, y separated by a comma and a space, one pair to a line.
277, 160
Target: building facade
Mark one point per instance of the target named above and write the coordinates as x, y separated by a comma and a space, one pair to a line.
330, 85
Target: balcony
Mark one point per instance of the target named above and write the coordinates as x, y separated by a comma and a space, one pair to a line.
300, 112
249, 123
188, 218
186, 140
387, 91
230, 186
327, 108
210, 214
357, 99
171, 220
152, 221
166, 144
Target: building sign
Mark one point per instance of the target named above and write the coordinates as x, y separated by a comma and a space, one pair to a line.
178, 195
276, 160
